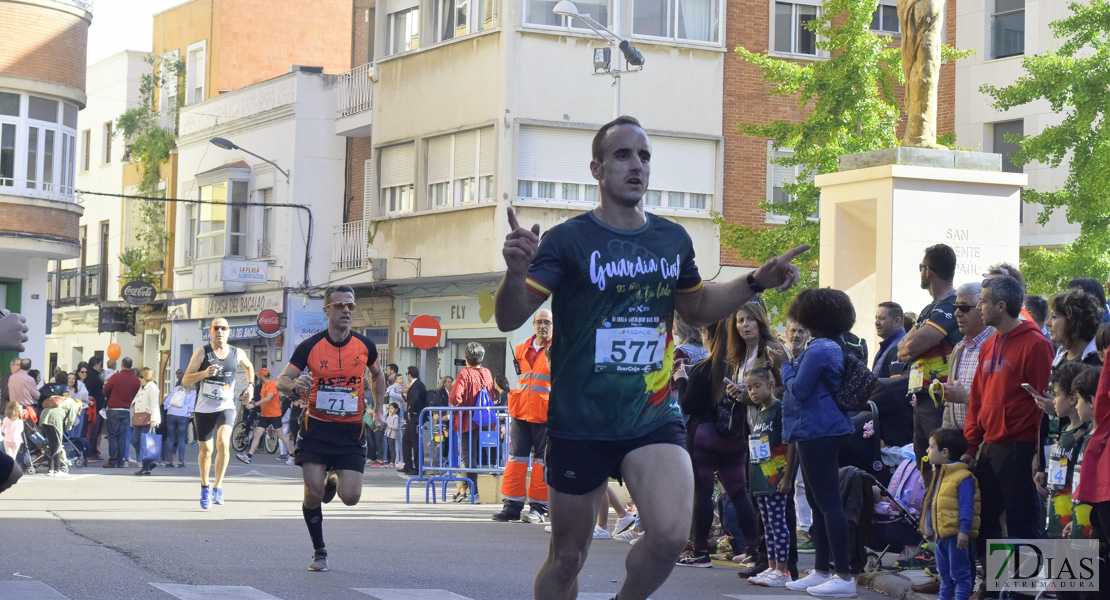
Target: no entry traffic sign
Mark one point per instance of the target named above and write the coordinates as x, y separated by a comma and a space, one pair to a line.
424, 332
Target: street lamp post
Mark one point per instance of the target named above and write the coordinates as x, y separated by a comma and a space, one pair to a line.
227, 144
628, 52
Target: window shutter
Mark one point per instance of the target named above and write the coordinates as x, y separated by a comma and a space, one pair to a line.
1001, 6
368, 208
466, 153
439, 159
397, 165
392, 6
487, 153
554, 154
683, 164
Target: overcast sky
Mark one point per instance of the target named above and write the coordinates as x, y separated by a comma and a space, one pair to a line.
119, 25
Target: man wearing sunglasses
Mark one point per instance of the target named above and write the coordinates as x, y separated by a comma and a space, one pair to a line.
926, 347
329, 371
214, 367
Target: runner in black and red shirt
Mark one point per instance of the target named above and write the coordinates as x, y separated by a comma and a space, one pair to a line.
330, 370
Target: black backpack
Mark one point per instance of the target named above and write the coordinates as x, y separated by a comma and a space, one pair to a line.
858, 381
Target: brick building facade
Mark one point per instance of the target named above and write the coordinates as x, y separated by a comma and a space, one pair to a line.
747, 98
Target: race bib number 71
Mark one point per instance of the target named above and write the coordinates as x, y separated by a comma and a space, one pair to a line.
336, 400
630, 347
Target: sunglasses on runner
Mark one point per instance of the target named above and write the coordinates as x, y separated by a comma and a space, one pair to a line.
341, 305
219, 328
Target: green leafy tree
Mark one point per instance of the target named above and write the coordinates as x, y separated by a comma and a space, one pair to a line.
1075, 81
853, 107
150, 137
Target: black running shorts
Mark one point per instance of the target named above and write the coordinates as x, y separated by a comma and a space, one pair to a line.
338, 446
265, 422
209, 423
579, 467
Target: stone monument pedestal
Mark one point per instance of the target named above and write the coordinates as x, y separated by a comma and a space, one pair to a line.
883, 208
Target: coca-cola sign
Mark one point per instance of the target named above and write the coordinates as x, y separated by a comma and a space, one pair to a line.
268, 323
138, 292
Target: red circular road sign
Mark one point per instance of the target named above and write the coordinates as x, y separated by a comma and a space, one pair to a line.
269, 321
424, 332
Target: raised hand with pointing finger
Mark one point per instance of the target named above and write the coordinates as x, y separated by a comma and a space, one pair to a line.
520, 245
780, 272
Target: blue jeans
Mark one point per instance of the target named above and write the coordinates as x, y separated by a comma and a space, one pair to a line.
119, 433
177, 432
954, 566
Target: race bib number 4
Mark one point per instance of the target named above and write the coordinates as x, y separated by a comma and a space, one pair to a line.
336, 400
217, 390
630, 347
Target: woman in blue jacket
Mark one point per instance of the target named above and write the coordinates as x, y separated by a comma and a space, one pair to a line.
812, 420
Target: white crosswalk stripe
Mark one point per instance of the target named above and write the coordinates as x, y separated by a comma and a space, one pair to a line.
29, 589
407, 594
213, 592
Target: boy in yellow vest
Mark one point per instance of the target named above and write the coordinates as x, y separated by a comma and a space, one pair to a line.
951, 515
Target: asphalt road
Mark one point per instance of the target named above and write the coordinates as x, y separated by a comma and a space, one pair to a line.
106, 534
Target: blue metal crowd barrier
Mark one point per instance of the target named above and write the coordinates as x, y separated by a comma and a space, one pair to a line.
438, 450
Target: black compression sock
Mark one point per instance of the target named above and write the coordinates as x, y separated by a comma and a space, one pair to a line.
314, 518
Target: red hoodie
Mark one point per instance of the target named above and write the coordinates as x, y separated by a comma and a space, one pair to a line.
999, 410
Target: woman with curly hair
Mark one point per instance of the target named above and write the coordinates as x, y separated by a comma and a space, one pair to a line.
717, 431
812, 420
1074, 318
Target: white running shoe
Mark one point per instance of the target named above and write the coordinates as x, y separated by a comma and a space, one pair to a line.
755, 578
630, 536
812, 580
625, 522
835, 587
600, 533
775, 579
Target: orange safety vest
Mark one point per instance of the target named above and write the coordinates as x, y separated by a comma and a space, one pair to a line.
528, 402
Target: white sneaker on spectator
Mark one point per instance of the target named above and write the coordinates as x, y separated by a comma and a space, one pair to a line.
547, 528
835, 587
625, 522
775, 579
600, 533
812, 580
755, 578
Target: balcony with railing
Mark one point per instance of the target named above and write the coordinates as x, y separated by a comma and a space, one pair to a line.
77, 286
353, 115
350, 247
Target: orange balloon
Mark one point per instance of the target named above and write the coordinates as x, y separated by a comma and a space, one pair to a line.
113, 351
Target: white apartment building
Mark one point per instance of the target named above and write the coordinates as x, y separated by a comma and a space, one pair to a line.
273, 254
472, 107
79, 287
1002, 33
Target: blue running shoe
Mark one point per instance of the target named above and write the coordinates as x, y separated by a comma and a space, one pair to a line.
205, 499
217, 496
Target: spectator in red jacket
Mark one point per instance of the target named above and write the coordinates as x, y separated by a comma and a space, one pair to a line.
470, 380
1002, 419
120, 391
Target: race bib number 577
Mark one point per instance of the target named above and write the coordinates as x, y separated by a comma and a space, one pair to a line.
630, 347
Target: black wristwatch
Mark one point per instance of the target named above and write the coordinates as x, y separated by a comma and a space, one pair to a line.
755, 287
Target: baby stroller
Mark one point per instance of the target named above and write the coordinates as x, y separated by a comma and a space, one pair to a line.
895, 515
35, 453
